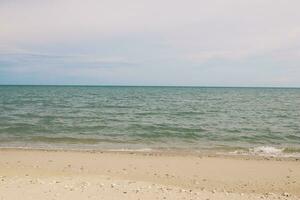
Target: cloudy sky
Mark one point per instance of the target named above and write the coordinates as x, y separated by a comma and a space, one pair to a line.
150, 42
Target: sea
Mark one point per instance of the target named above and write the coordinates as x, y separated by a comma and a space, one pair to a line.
237, 121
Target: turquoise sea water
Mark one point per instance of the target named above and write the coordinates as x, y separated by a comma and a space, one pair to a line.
265, 120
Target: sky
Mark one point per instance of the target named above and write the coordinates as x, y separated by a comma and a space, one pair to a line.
157, 42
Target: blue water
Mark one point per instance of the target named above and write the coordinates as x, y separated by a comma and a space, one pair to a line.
99, 117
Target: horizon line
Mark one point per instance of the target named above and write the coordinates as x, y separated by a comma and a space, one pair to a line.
120, 85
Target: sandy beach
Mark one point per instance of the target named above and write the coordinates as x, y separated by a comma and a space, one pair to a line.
149, 100
41, 174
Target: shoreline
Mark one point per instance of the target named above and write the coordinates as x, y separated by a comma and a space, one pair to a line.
175, 152
155, 175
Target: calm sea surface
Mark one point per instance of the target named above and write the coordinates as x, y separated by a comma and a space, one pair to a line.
257, 120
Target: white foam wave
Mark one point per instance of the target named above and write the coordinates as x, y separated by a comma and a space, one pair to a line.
132, 150
265, 151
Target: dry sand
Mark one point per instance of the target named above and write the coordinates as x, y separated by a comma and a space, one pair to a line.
39, 174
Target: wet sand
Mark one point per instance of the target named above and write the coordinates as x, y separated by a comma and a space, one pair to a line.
41, 174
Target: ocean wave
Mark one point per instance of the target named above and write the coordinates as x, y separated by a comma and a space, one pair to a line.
73, 140
266, 150
131, 150
269, 151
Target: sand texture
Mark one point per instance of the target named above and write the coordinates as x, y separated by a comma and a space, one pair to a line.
39, 174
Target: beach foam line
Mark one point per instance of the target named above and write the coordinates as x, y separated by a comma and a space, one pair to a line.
267, 151
130, 150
